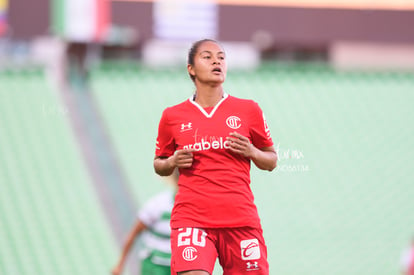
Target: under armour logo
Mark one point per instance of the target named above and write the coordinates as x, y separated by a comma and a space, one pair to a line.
251, 266
186, 127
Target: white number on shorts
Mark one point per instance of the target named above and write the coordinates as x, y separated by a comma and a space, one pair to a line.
192, 235
183, 237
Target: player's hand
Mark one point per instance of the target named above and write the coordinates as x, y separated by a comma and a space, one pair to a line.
240, 144
183, 158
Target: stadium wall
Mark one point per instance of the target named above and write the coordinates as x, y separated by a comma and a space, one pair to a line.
239, 22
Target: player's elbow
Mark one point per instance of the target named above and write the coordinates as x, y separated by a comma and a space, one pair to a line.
272, 162
267, 160
162, 172
269, 165
272, 166
162, 166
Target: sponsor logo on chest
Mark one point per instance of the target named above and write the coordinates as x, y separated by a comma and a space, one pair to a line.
207, 142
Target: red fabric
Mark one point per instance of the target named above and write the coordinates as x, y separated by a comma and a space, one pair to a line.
215, 191
240, 250
411, 265
103, 18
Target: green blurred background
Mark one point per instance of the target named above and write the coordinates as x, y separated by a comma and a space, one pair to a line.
83, 84
340, 201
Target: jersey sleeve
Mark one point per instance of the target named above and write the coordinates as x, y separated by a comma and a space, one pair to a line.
259, 130
165, 144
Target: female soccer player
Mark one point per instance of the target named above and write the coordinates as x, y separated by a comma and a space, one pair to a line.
211, 138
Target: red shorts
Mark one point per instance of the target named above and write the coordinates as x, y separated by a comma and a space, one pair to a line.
240, 250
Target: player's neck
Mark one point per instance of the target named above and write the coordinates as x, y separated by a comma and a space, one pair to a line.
208, 96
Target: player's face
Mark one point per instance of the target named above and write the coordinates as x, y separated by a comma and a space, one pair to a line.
209, 64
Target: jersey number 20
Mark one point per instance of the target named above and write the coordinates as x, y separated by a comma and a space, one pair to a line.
192, 236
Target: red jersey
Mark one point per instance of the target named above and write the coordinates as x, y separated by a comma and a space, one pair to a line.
215, 191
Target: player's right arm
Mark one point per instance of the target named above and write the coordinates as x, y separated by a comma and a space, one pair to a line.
167, 158
164, 166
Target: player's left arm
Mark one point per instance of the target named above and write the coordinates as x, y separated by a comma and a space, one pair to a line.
264, 158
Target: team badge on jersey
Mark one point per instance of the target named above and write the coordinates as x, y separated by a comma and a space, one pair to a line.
250, 249
233, 122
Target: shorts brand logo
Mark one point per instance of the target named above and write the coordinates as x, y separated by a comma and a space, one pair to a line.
252, 266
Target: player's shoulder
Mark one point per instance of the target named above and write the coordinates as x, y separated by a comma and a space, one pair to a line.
177, 108
244, 103
183, 104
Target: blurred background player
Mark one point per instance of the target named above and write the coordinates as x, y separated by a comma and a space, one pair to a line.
153, 229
